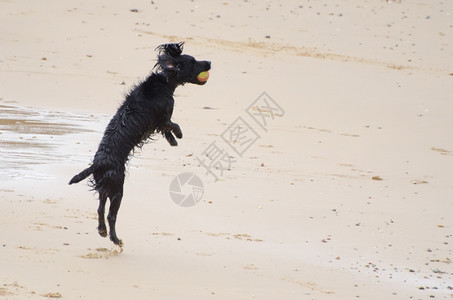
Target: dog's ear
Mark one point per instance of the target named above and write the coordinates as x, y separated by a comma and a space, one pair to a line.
167, 58
166, 63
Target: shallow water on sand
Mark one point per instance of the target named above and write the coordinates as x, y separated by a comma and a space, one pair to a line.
30, 138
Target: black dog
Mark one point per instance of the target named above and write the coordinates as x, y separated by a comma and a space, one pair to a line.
146, 110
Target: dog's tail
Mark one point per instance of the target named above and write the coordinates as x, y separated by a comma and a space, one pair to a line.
82, 175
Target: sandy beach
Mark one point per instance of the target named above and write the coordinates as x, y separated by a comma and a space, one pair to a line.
340, 185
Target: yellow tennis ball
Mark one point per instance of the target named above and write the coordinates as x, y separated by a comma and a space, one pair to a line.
203, 76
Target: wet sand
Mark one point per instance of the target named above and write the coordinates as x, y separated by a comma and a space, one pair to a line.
340, 188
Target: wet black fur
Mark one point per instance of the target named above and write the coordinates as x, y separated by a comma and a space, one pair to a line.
147, 110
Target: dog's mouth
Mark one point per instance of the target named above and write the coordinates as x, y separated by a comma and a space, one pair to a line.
203, 76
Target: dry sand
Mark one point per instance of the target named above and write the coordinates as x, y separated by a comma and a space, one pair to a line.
346, 193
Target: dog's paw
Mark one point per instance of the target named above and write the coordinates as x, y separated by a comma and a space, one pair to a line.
116, 241
178, 134
171, 139
102, 231
177, 131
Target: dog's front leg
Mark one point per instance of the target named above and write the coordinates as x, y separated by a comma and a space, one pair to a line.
176, 129
170, 138
169, 128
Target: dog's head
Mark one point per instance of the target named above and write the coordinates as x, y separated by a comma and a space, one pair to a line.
179, 67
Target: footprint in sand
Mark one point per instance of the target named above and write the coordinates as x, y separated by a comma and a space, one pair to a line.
442, 151
103, 253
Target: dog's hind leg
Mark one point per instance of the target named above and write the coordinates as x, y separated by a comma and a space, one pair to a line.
115, 202
102, 229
